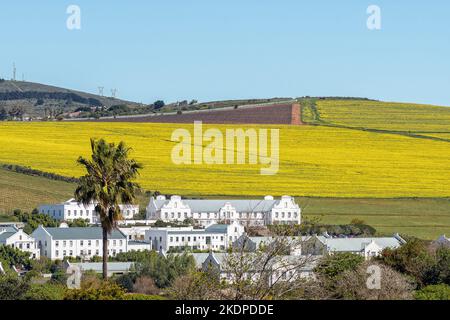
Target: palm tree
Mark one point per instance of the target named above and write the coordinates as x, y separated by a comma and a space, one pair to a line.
108, 183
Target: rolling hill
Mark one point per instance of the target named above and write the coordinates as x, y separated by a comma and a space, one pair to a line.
380, 156
36, 97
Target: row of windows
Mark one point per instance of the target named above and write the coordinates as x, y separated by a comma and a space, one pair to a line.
295, 215
88, 242
85, 252
188, 239
185, 215
75, 212
22, 245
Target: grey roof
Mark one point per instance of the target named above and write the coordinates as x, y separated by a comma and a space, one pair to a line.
216, 205
195, 231
88, 233
138, 243
98, 266
358, 244
198, 257
8, 228
217, 228
5, 235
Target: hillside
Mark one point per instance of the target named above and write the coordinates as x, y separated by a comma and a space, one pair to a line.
426, 218
19, 191
367, 153
283, 113
38, 98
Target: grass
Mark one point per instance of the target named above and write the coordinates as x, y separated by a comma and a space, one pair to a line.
423, 217
361, 159
426, 218
19, 191
314, 161
389, 116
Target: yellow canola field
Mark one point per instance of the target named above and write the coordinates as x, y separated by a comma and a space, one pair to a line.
383, 115
314, 161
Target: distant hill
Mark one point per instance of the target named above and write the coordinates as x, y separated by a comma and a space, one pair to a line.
39, 99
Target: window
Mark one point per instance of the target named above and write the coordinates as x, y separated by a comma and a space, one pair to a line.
176, 239
89, 252
89, 243
114, 242
71, 243
97, 252
120, 242
189, 239
171, 239
81, 243
64, 253
56, 243
71, 252
97, 243
57, 253
64, 243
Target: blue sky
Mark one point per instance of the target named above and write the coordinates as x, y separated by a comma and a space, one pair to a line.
211, 50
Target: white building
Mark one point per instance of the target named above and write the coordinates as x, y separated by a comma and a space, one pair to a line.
281, 268
114, 268
366, 247
135, 232
17, 238
206, 212
214, 237
72, 210
58, 243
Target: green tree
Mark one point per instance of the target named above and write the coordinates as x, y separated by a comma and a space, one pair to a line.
434, 292
12, 287
109, 181
103, 291
334, 265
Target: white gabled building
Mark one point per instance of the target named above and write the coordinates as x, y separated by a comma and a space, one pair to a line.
206, 212
17, 238
72, 210
366, 247
58, 243
214, 237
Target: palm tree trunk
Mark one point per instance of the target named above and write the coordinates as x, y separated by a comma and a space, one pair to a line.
105, 254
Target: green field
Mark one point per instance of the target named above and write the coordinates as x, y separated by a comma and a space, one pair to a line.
426, 218
423, 217
357, 158
20, 191
26, 192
